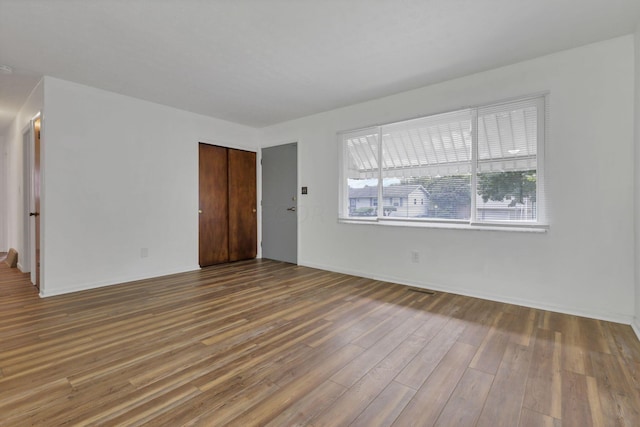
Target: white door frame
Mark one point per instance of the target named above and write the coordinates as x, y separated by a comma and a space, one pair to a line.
24, 259
28, 254
295, 202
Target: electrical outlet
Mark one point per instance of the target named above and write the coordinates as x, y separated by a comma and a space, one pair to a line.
144, 252
415, 256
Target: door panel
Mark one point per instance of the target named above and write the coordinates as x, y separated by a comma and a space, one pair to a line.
214, 219
279, 204
36, 196
242, 205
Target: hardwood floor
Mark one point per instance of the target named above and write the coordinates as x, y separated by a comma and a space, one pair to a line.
268, 343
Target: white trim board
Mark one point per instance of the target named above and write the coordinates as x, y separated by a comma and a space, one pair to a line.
120, 281
609, 317
635, 325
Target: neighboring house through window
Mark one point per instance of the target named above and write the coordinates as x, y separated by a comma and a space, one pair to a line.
476, 165
396, 205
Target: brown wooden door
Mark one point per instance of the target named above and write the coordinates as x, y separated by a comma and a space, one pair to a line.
36, 196
242, 205
214, 209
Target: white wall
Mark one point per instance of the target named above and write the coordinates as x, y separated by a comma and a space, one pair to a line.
12, 205
3, 197
584, 264
636, 216
121, 174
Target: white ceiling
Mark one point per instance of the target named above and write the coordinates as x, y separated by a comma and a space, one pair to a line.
263, 62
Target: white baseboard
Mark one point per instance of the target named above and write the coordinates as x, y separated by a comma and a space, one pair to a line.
610, 317
635, 325
46, 290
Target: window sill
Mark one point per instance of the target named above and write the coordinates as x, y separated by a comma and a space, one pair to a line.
522, 228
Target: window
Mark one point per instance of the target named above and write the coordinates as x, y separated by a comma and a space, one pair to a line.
477, 166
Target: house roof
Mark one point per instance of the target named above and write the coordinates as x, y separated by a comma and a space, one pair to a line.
390, 191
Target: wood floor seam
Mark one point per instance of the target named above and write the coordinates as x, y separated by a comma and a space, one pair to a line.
265, 343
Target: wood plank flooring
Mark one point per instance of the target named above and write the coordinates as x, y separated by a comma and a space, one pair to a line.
270, 344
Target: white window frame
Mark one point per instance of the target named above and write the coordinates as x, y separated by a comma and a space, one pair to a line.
541, 223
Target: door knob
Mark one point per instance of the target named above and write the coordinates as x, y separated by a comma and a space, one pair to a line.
253, 210
292, 209
34, 213
199, 211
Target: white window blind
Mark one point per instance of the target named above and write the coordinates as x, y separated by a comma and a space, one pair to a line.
433, 145
360, 173
508, 178
475, 165
361, 154
508, 137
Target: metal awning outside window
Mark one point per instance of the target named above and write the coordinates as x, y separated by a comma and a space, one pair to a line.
442, 144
